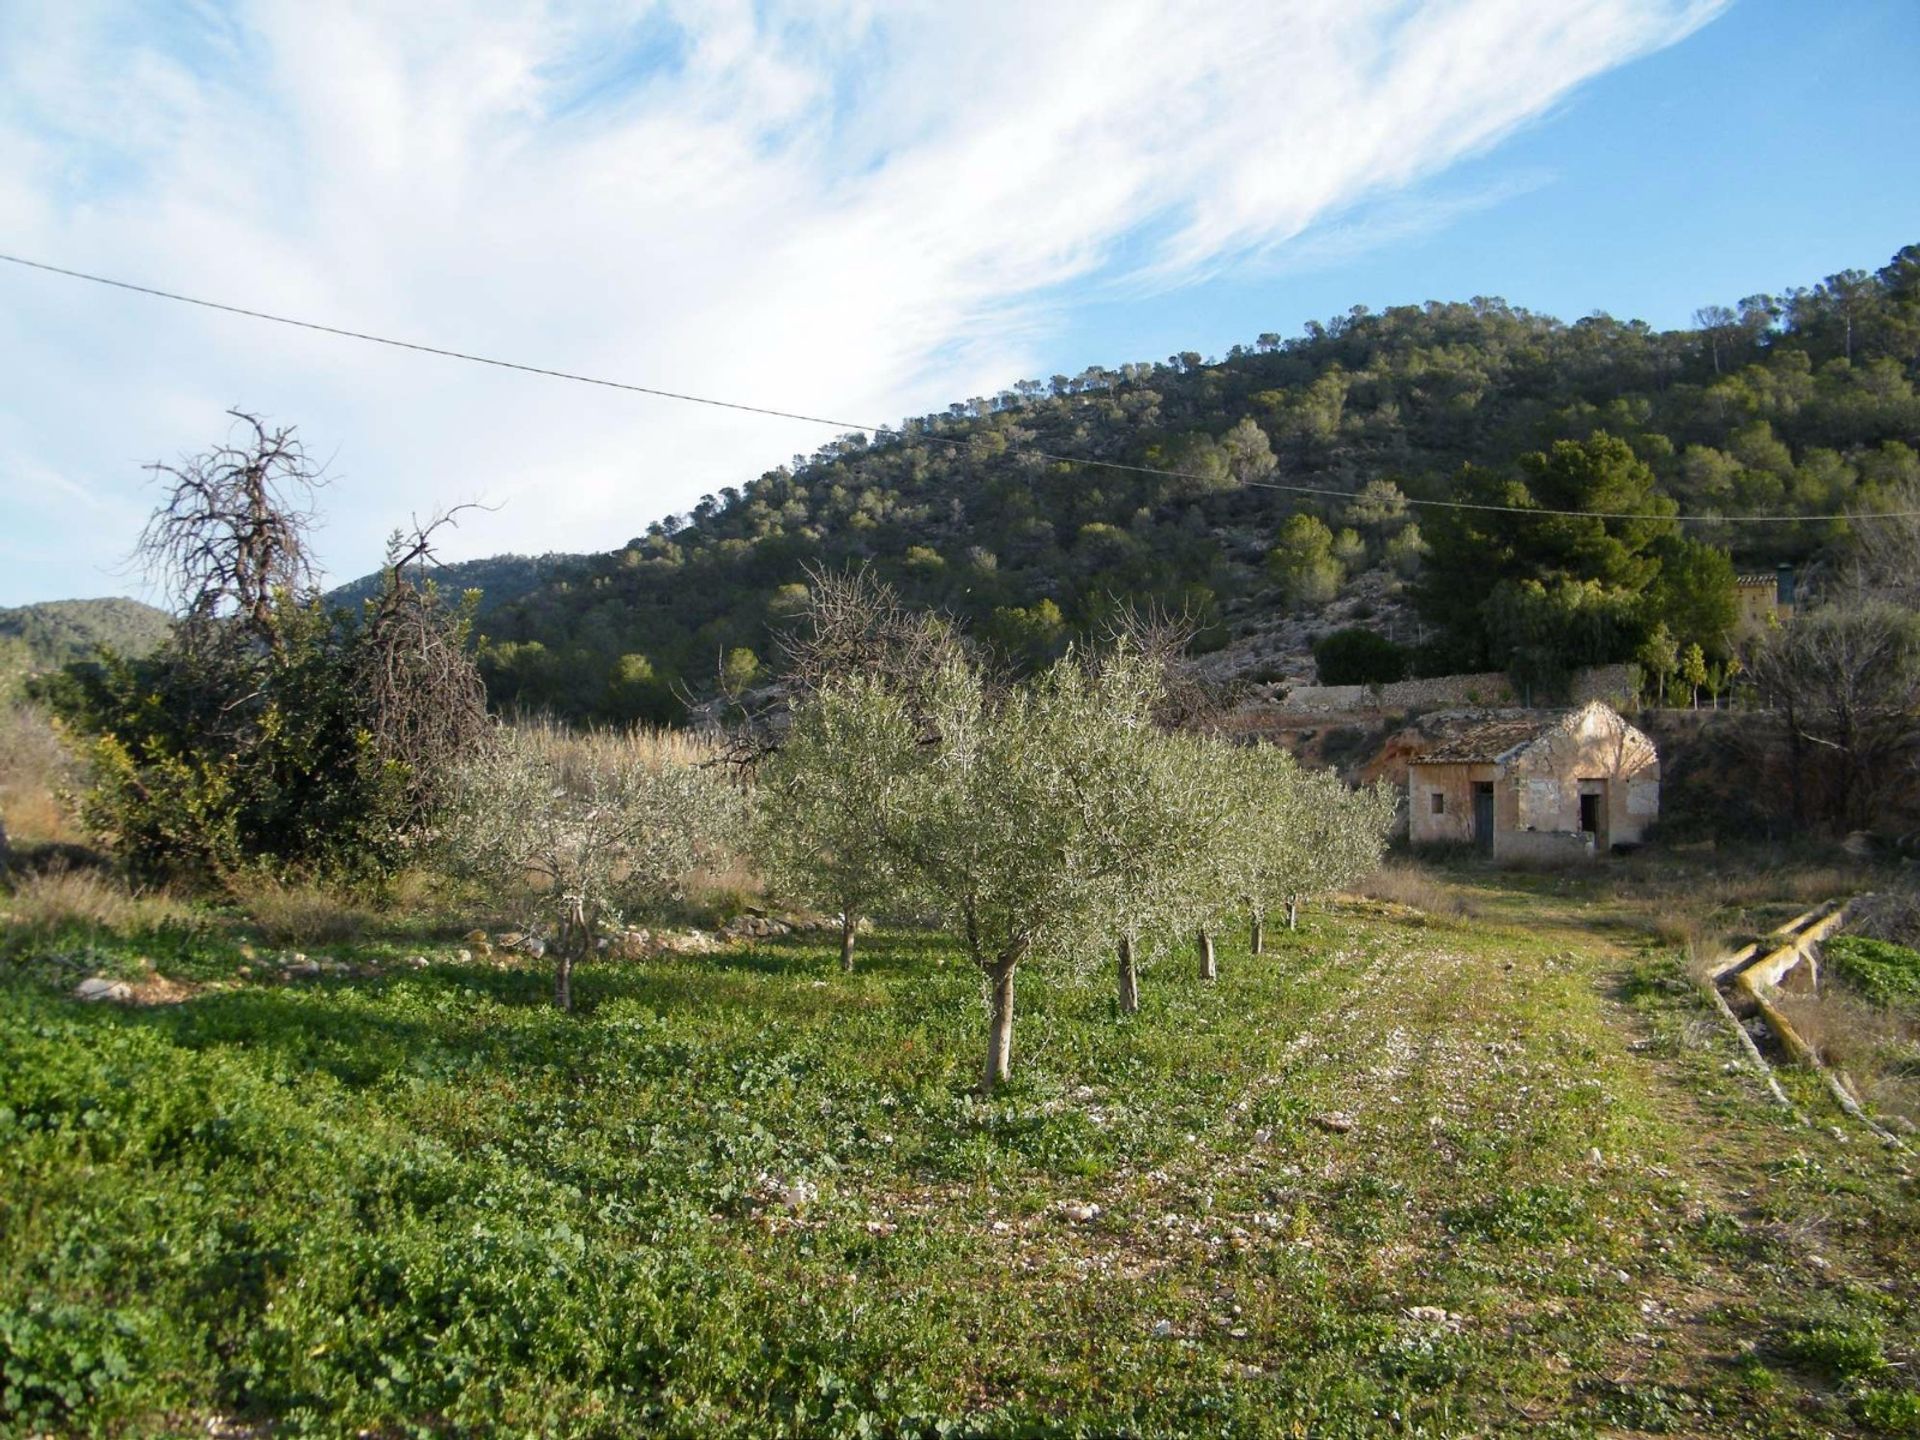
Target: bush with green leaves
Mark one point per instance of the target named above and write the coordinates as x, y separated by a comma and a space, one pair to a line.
271, 730
1358, 656
1885, 973
219, 754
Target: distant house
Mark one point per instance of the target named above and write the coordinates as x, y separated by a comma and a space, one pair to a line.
1762, 597
1531, 785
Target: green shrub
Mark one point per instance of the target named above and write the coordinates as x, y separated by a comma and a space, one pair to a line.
1358, 656
1884, 973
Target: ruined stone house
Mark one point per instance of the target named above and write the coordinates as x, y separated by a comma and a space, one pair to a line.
1533, 786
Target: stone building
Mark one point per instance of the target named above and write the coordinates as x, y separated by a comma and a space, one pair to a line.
1533, 786
1761, 598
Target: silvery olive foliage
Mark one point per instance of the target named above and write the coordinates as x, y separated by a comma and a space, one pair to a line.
584, 827
1051, 821
1298, 834
1012, 829
832, 802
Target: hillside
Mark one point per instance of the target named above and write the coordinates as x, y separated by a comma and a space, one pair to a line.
500, 579
53, 633
1802, 404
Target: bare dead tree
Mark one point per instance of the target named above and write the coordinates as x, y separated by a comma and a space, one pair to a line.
425, 701
1188, 700
232, 530
854, 623
1883, 556
1844, 681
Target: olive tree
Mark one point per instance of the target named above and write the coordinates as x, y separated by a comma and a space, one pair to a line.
584, 826
1338, 835
1299, 833
831, 802
1145, 830
1009, 834
1208, 796
1257, 855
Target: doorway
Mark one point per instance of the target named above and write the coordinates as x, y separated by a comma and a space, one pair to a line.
1483, 815
1593, 812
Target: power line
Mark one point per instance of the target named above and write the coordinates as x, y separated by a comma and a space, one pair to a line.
854, 425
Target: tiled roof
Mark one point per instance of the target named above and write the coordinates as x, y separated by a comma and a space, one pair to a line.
1479, 739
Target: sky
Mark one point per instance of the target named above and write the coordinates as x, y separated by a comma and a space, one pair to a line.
848, 208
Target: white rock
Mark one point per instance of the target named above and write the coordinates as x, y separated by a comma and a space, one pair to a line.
1162, 1329
1079, 1212
98, 987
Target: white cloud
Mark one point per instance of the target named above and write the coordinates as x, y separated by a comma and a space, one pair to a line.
839, 208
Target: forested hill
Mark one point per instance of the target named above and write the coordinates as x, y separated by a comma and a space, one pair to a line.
35, 638
500, 579
1802, 404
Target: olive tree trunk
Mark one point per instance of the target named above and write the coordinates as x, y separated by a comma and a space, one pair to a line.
1129, 975
848, 922
575, 938
1209, 966
1257, 936
1000, 1024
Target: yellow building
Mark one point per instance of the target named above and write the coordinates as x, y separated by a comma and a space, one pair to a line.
1532, 786
1762, 598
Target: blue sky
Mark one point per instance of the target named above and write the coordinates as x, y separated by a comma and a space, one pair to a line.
842, 208
1771, 148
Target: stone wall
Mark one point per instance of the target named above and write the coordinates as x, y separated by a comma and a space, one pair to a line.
1614, 684
1611, 683
1434, 691
1542, 847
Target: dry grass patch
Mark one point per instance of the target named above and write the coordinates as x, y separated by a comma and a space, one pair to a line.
1401, 881
1876, 1050
64, 899
37, 772
304, 914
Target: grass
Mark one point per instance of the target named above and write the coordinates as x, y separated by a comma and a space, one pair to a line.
37, 772
1405, 1175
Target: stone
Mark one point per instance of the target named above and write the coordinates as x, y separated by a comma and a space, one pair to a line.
1335, 1122
98, 987
630, 945
1162, 1329
1080, 1212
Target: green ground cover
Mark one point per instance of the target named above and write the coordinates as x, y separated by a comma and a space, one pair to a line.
1401, 1176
